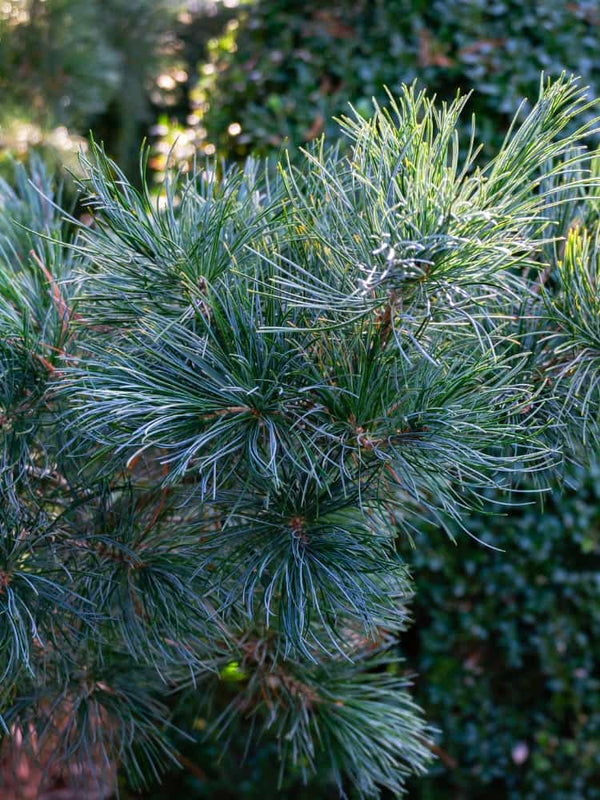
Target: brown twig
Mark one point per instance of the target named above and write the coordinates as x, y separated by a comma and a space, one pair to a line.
61, 306
188, 764
385, 319
44, 361
443, 756
160, 505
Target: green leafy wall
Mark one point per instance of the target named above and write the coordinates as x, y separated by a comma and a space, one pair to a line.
280, 71
507, 648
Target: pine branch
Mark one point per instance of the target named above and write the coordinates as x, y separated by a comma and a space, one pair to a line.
219, 407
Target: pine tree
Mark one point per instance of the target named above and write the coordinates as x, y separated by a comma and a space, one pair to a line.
221, 407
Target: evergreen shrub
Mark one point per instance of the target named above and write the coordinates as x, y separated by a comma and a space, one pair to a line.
223, 406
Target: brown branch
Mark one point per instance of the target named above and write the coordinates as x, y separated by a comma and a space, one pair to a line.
61, 306
444, 757
224, 412
385, 319
192, 767
48, 475
44, 361
159, 506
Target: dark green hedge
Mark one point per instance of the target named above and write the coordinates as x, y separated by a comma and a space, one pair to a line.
507, 649
282, 70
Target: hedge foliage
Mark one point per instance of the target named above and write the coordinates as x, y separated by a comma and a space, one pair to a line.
279, 72
507, 647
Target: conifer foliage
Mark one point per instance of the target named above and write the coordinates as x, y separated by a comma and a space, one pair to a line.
220, 408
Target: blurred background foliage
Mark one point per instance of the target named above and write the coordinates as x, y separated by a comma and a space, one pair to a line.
505, 645
507, 650
68, 67
280, 71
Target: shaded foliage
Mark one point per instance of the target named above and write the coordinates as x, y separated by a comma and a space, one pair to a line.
506, 644
68, 66
276, 76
